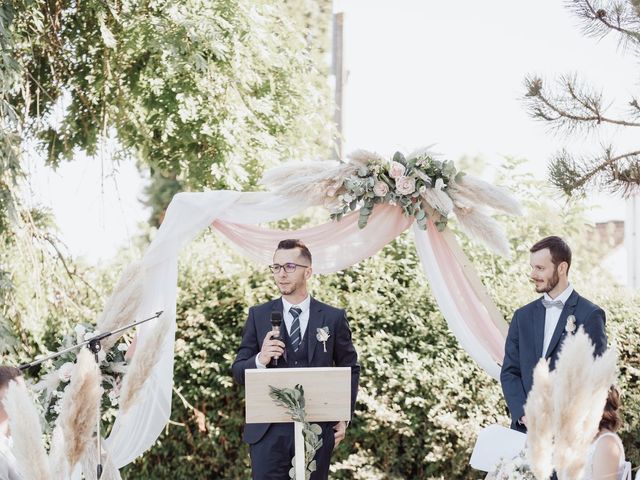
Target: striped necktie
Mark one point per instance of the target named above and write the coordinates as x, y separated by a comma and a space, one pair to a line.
295, 328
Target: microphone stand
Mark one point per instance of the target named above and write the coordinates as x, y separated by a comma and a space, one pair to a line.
94, 345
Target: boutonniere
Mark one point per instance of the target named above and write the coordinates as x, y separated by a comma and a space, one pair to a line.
571, 324
322, 334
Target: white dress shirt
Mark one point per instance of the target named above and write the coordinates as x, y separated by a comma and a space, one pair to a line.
288, 319
552, 315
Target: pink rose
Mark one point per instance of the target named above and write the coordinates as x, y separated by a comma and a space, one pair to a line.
380, 189
396, 170
405, 185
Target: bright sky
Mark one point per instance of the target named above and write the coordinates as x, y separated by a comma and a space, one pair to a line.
449, 73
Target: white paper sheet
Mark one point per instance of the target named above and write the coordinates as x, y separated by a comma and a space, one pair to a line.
495, 442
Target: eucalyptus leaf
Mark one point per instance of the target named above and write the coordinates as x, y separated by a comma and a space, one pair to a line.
459, 176
399, 157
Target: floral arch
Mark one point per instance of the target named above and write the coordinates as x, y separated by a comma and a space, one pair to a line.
371, 201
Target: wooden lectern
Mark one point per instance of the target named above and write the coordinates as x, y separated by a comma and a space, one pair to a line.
327, 393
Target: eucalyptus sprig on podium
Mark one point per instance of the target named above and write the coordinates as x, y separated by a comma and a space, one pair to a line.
293, 400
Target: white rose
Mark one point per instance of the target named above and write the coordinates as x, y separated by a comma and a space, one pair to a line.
380, 189
65, 371
80, 332
396, 170
113, 397
405, 185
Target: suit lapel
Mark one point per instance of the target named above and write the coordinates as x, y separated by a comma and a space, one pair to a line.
316, 321
568, 309
539, 313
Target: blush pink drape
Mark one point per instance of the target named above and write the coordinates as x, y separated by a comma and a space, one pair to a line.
470, 307
339, 245
334, 245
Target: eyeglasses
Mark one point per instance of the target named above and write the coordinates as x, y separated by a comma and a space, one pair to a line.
288, 267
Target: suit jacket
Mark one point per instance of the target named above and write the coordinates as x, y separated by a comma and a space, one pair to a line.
340, 350
523, 347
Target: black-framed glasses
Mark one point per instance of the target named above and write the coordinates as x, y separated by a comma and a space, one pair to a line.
288, 267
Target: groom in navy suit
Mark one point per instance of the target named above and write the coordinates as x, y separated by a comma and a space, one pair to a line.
538, 329
271, 446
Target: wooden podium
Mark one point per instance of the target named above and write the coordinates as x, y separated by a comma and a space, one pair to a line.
327, 393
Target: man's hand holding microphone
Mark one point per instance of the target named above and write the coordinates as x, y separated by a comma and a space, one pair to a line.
272, 346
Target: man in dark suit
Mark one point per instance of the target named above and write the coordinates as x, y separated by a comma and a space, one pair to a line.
271, 445
538, 329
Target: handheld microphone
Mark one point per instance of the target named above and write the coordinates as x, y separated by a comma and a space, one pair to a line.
276, 322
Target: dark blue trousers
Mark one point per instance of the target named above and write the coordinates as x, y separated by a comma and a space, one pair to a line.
271, 456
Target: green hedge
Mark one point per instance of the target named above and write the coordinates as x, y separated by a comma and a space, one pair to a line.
422, 398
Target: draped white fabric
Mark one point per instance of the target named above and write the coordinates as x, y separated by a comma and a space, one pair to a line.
189, 214
452, 308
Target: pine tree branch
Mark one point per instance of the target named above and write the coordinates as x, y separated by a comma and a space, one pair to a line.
615, 173
600, 18
583, 108
635, 107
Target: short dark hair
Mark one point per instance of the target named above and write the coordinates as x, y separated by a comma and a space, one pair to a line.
610, 417
560, 251
290, 243
7, 374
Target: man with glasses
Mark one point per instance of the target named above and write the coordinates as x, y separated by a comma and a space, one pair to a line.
305, 318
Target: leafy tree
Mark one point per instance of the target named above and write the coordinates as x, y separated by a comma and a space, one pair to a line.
208, 92
575, 107
204, 94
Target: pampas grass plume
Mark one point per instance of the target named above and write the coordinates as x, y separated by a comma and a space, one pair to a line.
80, 407
484, 228
122, 306
145, 358
310, 181
57, 458
438, 200
484, 193
539, 413
24, 422
580, 392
